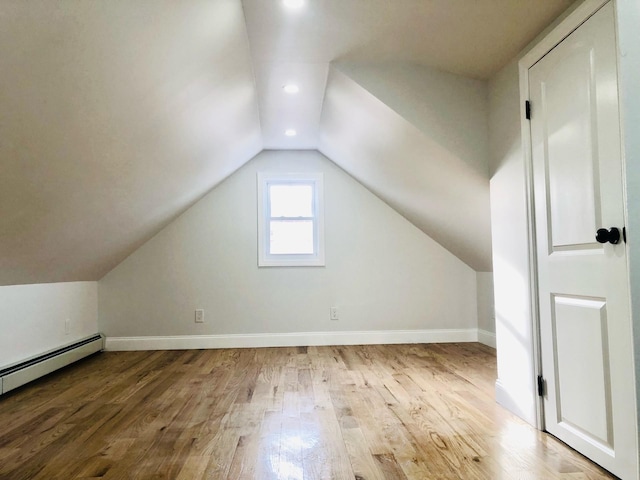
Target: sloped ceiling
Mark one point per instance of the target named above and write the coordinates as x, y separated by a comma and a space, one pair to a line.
416, 174
115, 116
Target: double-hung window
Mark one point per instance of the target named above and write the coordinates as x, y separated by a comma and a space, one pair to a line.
290, 220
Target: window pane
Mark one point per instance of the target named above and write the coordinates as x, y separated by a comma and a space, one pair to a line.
291, 237
291, 200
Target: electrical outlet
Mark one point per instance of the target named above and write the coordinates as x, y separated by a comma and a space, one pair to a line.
333, 313
67, 326
199, 316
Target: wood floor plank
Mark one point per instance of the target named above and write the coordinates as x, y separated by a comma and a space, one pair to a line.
389, 466
394, 412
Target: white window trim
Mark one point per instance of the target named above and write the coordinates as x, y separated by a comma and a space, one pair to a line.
264, 258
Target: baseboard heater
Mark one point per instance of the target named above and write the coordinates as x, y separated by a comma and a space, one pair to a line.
18, 374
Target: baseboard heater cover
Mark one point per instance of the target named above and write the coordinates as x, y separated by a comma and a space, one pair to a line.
18, 374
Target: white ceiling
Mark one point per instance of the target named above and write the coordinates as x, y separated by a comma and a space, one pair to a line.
115, 116
473, 38
424, 151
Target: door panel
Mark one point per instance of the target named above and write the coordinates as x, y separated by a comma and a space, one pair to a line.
582, 369
583, 290
572, 162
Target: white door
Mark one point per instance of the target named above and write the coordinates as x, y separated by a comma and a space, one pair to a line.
585, 325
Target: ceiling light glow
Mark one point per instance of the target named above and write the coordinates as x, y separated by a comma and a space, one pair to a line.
290, 132
291, 88
293, 3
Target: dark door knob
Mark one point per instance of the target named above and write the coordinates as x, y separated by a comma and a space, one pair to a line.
612, 235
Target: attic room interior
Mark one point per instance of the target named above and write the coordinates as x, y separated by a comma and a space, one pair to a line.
336, 239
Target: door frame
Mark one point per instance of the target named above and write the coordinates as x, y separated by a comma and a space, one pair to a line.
542, 45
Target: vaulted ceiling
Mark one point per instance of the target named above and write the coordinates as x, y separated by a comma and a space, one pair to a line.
116, 116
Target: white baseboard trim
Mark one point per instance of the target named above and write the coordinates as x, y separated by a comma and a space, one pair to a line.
486, 337
188, 342
504, 398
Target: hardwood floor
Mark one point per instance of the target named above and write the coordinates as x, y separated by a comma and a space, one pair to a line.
364, 412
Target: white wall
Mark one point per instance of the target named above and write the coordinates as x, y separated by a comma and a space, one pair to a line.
514, 332
32, 317
381, 271
486, 313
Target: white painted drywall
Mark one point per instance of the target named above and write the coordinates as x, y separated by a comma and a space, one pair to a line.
514, 334
484, 287
418, 174
32, 317
449, 109
381, 271
116, 116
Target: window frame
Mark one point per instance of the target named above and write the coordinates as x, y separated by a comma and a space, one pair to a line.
266, 259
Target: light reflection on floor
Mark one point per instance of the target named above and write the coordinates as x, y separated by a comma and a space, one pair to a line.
289, 445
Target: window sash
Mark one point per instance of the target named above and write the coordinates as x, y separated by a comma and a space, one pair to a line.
301, 190
303, 238
270, 219
265, 257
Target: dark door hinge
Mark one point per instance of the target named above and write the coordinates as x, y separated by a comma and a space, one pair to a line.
527, 109
541, 391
